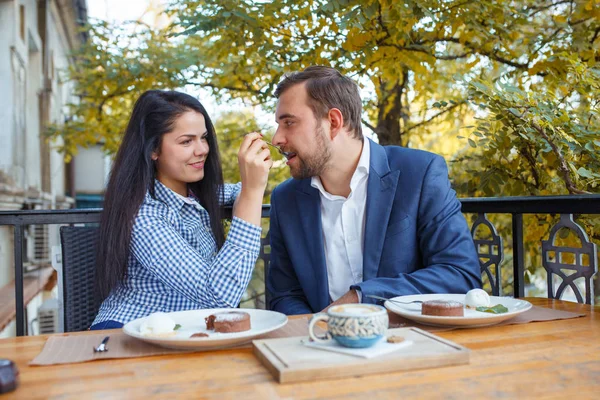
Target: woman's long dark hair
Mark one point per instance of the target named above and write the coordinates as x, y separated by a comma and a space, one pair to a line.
133, 174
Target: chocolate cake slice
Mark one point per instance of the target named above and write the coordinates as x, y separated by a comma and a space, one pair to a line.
443, 308
228, 322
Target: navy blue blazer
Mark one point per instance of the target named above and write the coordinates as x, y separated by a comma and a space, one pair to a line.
416, 239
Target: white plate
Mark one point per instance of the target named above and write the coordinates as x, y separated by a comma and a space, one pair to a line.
471, 319
192, 321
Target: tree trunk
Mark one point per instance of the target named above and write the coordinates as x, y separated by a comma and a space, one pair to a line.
388, 123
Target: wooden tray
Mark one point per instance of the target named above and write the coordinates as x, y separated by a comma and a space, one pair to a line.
291, 361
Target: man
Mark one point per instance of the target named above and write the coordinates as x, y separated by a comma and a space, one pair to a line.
357, 219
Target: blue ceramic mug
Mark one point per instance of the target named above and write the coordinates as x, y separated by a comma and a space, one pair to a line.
352, 325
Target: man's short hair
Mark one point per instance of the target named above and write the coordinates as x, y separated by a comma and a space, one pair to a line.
327, 88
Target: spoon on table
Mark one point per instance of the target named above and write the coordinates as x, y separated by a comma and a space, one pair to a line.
102, 347
286, 154
393, 301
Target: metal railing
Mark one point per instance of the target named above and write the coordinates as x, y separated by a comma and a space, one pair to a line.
515, 206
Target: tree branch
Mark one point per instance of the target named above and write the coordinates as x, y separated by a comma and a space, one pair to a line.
422, 50
232, 88
368, 125
526, 151
446, 110
596, 32
454, 6
581, 21
515, 177
490, 54
105, 99
563, 168
545, 42
540, 9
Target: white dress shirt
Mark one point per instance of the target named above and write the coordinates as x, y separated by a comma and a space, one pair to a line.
343, 222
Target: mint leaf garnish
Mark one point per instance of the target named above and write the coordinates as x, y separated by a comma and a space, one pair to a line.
177, 326
497, 309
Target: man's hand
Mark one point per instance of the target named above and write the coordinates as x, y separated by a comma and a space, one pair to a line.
349, 297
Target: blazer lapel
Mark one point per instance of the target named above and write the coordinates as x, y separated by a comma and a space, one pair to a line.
309, 210
381, 189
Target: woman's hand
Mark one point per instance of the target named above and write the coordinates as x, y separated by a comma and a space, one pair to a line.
254, 159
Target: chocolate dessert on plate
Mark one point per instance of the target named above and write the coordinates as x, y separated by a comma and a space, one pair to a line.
228, 322
443, 308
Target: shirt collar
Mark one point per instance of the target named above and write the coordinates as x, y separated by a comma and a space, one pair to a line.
361, 171
166, 195
187, 200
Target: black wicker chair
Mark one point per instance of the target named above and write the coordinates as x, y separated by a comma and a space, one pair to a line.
80, 303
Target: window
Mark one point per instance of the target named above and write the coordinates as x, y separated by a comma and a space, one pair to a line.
52, 64
22, 22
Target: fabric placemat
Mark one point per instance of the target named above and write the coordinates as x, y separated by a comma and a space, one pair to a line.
534, 314
69, 348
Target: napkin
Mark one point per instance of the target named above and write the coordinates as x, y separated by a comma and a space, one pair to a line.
378, 349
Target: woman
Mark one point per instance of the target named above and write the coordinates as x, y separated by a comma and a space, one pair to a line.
162, 244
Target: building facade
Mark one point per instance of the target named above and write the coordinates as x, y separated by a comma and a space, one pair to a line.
36, 38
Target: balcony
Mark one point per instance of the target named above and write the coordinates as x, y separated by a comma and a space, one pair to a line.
570, 268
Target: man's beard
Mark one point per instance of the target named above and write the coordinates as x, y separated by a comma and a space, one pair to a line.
314, 164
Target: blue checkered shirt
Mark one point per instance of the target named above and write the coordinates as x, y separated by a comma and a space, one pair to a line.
174, 264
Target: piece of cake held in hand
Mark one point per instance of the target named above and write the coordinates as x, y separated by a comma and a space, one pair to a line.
443, 308
228, 322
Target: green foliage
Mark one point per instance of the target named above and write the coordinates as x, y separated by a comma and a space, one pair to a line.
538, 140
110, 71
517, 79
539, 137
406, 55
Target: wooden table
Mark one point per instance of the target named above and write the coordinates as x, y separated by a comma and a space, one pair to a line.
554, 359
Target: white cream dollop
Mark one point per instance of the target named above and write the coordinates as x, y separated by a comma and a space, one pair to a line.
158, 323
477, 298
